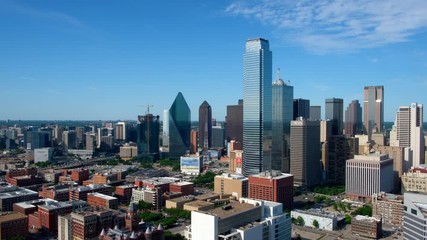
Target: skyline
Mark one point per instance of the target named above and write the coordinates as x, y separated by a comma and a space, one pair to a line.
79, 60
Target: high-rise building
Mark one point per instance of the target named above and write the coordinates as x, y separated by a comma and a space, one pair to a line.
179, 127
234, 122
205, 125
120, 131
218, 137
315, 113
368, 174
301, 108
410, 134
257, 67
69, 139
283, 96
334, 112
414, 220
165, 128
148, 130
194, 135
353, 118
305, 152
373, 107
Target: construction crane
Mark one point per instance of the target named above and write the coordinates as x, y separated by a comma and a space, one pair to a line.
148, 107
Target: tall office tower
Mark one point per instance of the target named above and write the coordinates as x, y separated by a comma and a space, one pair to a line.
120, 131
415, 217
80, 137
69, 139
353, 118
104, 132
410, 134
90, 141
148, 130
234, 121
368, 174
283, 97
315, 113
218, 137
179, 127
339, 150
39, 139
205, 125
373, 110
301, 108
257, 67
334, 112
305, 152
193, 141
165, 128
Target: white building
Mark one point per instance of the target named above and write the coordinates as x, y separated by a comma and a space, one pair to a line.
327, 221
408, 133
64, 227
165, 128
43, 154
81, 153
248, 219
415, 216
368, 174
191, 165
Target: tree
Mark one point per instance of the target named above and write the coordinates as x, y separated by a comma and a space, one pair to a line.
365, 211
335, 206
347, 219
315, 223
299, 221
142, 205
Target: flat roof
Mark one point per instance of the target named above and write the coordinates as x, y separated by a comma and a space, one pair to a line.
235, 208
11, 216
274, 174
182, 199
199, 203
183, 183
16, 193
100, 195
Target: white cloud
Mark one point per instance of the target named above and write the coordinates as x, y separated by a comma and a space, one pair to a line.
338, 25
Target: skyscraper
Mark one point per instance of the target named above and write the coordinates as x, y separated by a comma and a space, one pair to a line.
148, 130
334, 112
234, 122
205, 125
301, 108
165, 136
373, 107
305, 152
179, 127
410, 134
353, 118
315, 112
257, 67
283, 96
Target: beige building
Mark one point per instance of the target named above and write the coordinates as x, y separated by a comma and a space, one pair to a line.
179, 202
234, 184
236, 160
389, 207
366, 227
198, 205
415, 181
397, 154
128, 151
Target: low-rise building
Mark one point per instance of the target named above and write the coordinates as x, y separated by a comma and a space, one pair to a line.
326, 220
191, 164
415, 216
128, 151
186, 188
57, 192
102, 200
124, 193
12, 194
235, 162
80, 192
367, 227
198, 205
13, 225
150, 195
43, 154
415, 180
179, 202
234, 184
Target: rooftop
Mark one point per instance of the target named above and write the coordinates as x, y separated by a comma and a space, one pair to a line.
16, 193
273, 174
371, 157
231, 209
365, 218
317, 212
11, 216
100, 195
199, 203
183, 183
232, 176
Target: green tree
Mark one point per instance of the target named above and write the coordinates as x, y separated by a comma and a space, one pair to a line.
142, 205
171, 236
150, 216
335, 206
315, 223
347, 219
365, 210
299, 221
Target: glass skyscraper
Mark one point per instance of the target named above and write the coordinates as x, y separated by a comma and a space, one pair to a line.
205, 125
257, 71
148, 130
334, 111
373, 107
179, 127
283, 97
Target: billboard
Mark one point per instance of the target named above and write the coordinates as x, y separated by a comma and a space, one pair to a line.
191, 164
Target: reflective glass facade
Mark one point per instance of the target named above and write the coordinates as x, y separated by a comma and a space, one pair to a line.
179, 127
148, 130
334, 111
205, 125
257, 97
373, 107
283, 96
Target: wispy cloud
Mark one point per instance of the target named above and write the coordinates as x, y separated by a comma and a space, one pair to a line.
338, 25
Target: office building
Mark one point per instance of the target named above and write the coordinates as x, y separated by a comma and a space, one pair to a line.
205, 126
179, 127
326, 220
301, 108
101, 200
12, 194
105, 138
37, 139
315, 113
194, 136
257, 67
90, 141
236, 162
272, 186
128, 151
283, 96
334, 112
149, 195
186, 188
366, 227
81, 192
368, 174
410, 134
325, 130
234, 122
84, 225
373, 109
120, 131
353, 119
148, 130
191, 164
305, 152
233, 184
165, 128
43, 154
415, 217
69, 139
48, 214
389, 207
218, 137
415, 180
56, 192
124, 193
397, 154
247, 219
13, 225
339, 149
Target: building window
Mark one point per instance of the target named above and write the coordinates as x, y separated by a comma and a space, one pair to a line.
413, 211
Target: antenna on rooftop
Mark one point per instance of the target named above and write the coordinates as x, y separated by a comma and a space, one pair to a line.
148, 107
278, 74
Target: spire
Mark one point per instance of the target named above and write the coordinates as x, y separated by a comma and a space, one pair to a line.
278, 74
103, 233
133, 235
148, 231
159, 227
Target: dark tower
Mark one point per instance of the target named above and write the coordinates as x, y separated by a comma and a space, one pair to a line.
179, 127
148, 130
205, 126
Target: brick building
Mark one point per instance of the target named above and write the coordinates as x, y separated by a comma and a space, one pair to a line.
58, 192
80, 193
186, 188
84, 225
12, 194
389, 207
366, 227
13, 225
124, 193
79, 175
234, 184
102, 200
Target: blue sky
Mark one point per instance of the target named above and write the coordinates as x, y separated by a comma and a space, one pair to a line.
100, 60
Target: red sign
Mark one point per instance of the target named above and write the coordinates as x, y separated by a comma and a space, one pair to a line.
238, 160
